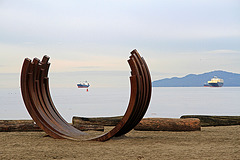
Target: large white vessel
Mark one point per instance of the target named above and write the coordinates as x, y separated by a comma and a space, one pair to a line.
215, 82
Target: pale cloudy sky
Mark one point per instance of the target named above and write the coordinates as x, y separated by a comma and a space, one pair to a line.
91, 40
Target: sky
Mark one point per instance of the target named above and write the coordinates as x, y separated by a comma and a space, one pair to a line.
92, 40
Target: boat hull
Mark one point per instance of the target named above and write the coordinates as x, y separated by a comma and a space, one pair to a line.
219, 84
82, 86
206, 85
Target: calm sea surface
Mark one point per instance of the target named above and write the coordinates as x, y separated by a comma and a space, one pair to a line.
171, 102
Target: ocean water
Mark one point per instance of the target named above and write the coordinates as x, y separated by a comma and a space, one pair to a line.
171, 102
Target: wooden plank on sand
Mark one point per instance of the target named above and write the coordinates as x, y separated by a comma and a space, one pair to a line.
146, 124
168, 124
105, 121
89, 127
207, 120
18, 125
30, 126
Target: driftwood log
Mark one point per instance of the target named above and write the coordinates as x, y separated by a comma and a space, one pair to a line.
18, 125
105, 121
30, 126
89, 127
215, 120
146, 124
168, 124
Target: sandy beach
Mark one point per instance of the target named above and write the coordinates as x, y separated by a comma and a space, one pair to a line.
209, 143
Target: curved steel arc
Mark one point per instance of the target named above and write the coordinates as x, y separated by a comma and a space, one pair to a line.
143, 103
26, 76
38, 101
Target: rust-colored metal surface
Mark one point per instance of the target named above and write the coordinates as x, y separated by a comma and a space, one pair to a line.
38, 101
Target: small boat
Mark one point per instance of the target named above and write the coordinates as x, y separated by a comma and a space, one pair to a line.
84, 84
206, 85
215, 82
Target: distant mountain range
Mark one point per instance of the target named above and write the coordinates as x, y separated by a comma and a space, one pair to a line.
198, 80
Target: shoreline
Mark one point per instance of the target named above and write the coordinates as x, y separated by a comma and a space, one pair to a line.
221, 142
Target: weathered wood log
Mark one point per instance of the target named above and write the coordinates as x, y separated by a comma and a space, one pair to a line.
30, 126
155, 124
207, 120
168, 124
105, 121
89, 127
19, 126
16, 122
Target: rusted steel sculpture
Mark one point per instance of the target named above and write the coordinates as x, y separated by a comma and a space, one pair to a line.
38, 101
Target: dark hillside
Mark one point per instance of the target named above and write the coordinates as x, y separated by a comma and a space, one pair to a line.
197, 80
